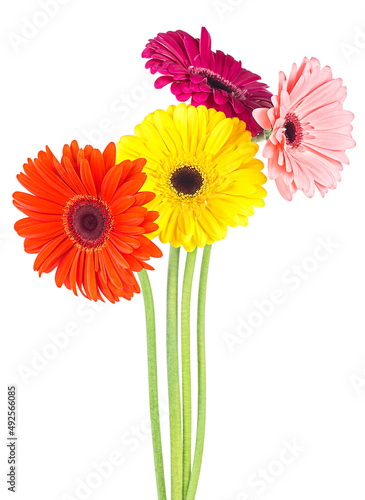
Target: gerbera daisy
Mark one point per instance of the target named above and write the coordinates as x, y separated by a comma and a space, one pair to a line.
310, 130
211, 78
86, 218
201, 167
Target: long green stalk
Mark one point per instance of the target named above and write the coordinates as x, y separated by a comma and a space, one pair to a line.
185, 365
152, 383
173, 375
199, 445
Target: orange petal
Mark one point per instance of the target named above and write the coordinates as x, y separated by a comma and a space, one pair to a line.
105, 289
119, 205
89, 276
64, 266
87, 178
79, 187
98, 168
116, 256
129, 218
144, 197
109, 155
121, 228
42, 190
80, 273
52, 260
130, 187
110, 183
31, 229
31, 202
73, 271
111, 270
39, 216
47, 250
135, 265
121, 245
52, 179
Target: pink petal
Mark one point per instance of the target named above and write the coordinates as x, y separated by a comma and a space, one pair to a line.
285, 191
261, 117
332, 140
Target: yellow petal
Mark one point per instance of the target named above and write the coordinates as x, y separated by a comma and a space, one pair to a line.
219, 136
184, 221
209, 223
181, 124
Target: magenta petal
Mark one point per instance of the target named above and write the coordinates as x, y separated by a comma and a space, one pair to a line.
176, 88
150, 63
147, 52
179, 76
204, 87
238, 106
234, 71
220, 97
177, 68
162, 81
192, 48
201, 97
185, 87
225, 108
196, 78
183, 97
164, 71
196, 88
219, 61
227, 66
205, 48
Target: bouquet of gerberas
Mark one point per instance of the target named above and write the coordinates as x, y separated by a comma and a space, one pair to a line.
186, 175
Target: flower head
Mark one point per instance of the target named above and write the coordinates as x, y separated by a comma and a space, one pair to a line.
310, 130
87, 219
201, 167
213, 79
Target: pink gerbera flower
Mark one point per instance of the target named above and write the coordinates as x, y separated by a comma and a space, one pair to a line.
310, 130
213, 79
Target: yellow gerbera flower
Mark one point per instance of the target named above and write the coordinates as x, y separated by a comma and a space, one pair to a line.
201, 167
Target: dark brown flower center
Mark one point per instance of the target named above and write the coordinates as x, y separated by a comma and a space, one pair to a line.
88, 221
217, 82
187, 180
214, 83
293, 130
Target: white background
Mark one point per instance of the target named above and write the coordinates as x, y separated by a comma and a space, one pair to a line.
299, 376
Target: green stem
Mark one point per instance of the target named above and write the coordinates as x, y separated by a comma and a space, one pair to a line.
152, 383
200, 434
173, 375
265, 134
185, 364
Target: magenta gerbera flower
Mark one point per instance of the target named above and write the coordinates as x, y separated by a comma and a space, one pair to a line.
213, 79
310, 130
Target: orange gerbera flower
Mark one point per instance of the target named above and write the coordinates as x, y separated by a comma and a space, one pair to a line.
87, 219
